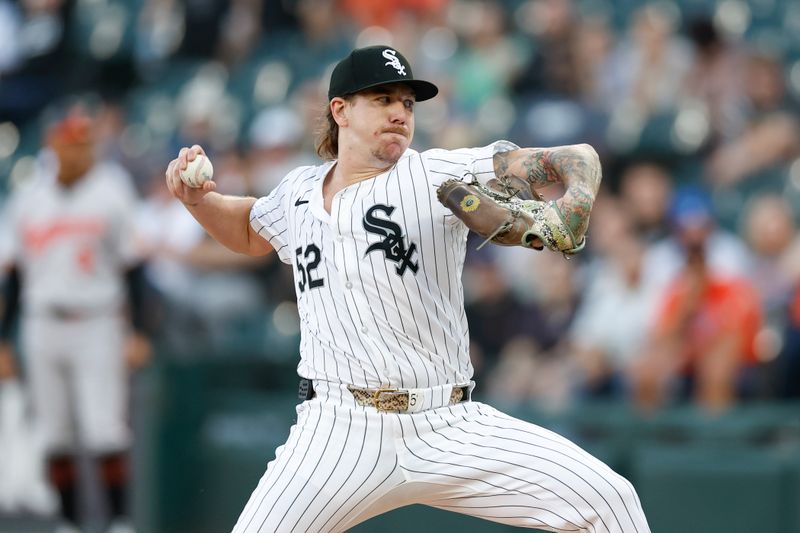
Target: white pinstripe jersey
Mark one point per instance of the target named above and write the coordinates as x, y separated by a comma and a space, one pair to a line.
378, 280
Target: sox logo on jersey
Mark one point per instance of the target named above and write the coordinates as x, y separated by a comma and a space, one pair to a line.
393, 244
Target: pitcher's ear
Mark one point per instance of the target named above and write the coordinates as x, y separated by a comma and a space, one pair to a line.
338, 107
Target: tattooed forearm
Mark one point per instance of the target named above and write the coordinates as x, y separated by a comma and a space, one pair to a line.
579, 167
530, 164
576, 206
576, 166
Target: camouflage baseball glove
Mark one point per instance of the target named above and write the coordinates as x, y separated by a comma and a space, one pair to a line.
509, 215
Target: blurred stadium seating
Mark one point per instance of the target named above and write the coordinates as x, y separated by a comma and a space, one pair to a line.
211, 411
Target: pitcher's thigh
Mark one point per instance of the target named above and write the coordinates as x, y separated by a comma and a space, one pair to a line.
333, 466
510, 471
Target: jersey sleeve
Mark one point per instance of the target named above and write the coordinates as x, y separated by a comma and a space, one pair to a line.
268, 218
482, 167
466, 164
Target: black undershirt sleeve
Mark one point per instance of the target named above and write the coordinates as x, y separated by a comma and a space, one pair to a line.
10, 292
135, 281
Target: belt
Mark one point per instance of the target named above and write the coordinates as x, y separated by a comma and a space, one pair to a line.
58, 312
400, 400
395, 400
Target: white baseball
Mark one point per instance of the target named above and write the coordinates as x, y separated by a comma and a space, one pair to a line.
198, 171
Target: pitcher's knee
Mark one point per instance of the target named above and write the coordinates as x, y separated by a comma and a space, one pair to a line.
622, 512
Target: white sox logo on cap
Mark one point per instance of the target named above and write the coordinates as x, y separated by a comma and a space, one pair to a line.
394, 62
366, 68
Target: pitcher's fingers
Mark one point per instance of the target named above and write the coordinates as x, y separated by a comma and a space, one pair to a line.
182, 158
169, 172
174, 180
209, 186
196, 150
192, 152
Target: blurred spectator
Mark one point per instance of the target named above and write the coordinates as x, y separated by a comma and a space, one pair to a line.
159, 32
324, 36
552, 70
617, 308
169, 235
552, 87
276, 137
531, 359
199, 284
691, 212
647, 70
202, 28
494, 312
704, 342
490, 57
616, 222
115, 142
76, 264
769, 230
207, 114
646, 192
240, 30
594, 42
33, 48
717, 78
771, 133
385, 13
232, 173
307, 101
318, 21
277, 17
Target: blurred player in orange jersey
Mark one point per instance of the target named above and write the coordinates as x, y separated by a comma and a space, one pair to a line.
74, 264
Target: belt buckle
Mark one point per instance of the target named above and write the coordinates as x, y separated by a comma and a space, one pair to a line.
457, 395
378, 399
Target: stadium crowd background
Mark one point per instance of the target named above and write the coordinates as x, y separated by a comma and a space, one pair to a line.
692, 106
689, 290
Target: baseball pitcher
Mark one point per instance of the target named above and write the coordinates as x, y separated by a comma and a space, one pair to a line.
376, 236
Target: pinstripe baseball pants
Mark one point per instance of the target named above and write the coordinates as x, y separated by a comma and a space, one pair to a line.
343, 464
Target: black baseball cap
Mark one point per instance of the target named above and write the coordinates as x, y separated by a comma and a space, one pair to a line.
373, 66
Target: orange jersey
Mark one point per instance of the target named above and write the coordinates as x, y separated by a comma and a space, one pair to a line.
725, 306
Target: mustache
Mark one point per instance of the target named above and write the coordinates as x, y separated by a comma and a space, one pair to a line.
396, 129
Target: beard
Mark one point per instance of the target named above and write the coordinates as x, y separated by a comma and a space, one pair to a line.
387, 155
